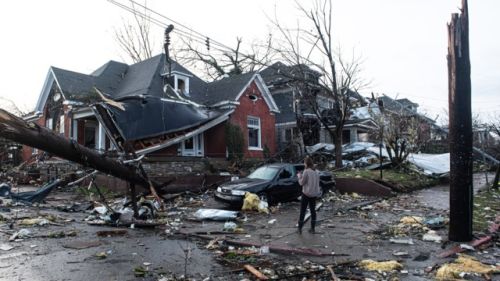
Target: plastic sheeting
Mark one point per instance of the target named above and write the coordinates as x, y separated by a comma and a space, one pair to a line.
431, 164
215, 214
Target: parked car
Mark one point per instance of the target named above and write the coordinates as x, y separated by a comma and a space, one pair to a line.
272, 182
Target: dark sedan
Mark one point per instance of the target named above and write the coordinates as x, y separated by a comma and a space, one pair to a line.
272, 182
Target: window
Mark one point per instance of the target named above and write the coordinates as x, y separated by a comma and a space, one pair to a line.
181, 84
254, 135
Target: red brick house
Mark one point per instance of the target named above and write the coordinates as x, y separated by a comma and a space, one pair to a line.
156, 109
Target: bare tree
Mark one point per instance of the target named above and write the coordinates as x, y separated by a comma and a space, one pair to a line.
134, 37
403, 134
313, 46
218, 62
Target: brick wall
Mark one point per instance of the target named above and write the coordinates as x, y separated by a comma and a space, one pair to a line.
259, 109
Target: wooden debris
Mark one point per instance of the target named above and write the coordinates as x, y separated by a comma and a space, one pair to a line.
255, 272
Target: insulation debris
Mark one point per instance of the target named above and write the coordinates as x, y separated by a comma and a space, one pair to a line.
380, 266
464, 264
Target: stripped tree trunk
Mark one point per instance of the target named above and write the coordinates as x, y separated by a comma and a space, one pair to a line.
460, 118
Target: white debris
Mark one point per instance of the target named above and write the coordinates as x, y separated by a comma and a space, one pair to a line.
432, 236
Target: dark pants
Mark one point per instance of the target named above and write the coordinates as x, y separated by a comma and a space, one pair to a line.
311, 201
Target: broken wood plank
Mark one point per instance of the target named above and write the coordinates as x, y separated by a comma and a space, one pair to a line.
259, 275
458, 249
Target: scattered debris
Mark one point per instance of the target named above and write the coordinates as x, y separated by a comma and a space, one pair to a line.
6, 247
31, 196
253, 203
464, 264
35, 221
255, 272
407, 241
380, 266
432, 236
216, 214
21, 234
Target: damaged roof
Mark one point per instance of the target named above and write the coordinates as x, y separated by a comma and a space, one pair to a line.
147, 78
148, 116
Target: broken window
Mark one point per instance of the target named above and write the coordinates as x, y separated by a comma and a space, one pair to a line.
254, 134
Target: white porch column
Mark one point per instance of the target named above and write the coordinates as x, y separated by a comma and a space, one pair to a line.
74, 129
101, 138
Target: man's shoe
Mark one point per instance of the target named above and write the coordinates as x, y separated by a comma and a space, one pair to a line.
312, 231
299, 230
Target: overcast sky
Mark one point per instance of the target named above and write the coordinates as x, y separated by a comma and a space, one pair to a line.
403, 42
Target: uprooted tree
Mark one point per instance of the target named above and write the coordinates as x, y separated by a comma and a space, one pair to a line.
31, 134
313, 46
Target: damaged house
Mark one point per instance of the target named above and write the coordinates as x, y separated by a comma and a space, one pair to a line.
296, 89
156, 108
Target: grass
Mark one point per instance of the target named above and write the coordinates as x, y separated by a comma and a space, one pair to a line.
486, 208
399, 180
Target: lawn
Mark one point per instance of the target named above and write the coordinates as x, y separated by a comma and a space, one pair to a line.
399, 180
486, 208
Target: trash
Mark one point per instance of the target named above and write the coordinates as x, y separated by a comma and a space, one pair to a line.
407, 241
21, 234
147, 263
6, 247
140, 271
101, 255
464, 264
467, 247
271, 221
253, 203
230, 226
435, 223
400, 254
35, 221
264, 250
215, 214
432, 236
411, 220
380, 266
79, 245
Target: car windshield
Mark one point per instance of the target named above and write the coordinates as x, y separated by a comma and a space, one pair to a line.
265, 173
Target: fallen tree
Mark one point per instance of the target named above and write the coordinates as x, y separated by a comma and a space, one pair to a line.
31, 134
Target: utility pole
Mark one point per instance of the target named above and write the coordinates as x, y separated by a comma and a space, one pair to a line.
459, 98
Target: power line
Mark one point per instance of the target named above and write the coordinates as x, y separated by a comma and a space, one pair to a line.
190, 34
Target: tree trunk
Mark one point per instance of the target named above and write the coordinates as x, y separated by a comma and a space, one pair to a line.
338, 149
30, 134
497, 177
460, 119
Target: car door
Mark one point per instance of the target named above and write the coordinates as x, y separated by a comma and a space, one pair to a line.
287, 187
